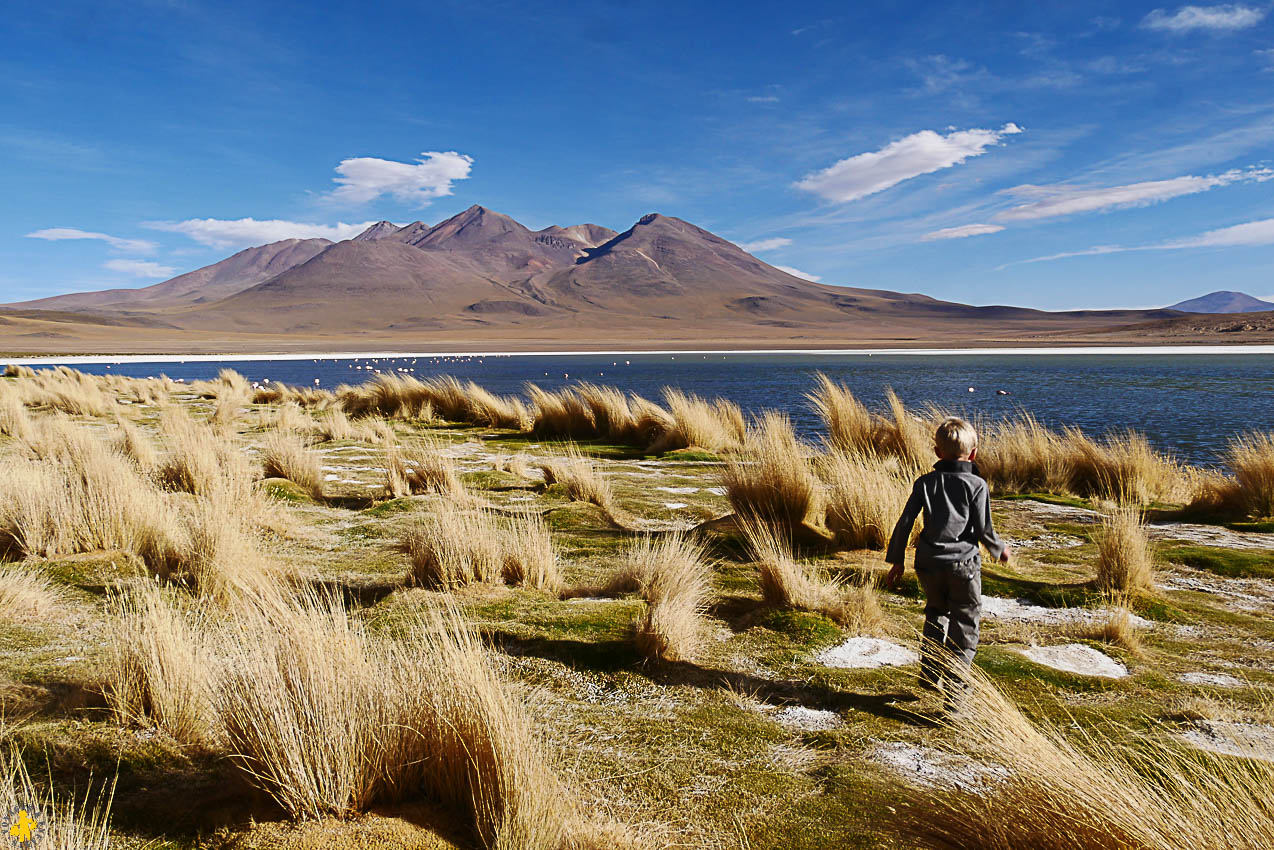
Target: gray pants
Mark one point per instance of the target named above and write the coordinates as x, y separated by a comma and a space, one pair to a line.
953, 611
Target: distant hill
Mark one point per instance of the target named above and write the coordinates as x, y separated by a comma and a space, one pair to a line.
210, 283
1224, 301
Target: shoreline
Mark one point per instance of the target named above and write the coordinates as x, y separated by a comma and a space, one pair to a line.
1072, 351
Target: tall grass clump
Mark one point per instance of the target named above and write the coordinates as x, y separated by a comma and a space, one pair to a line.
197, 460
81, 496
454, 545
63, 824
1251, 456
676, 585
1125, 559
561, 414
422, 468
333, 425
219, 558
1096, 793
716, 426
530, 557
1022, 456
14, 420
136, 446
25, 594
851, 428
284, 454
1122, 466
329, 719
582, 479
65, 390
787, 583
865, 497
773, 480
160, 666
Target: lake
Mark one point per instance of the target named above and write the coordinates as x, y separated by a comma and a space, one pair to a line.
1187, 404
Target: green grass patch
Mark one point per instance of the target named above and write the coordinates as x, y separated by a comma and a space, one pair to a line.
282, 490
393, 506
1049, 499
802, 627
1232, 563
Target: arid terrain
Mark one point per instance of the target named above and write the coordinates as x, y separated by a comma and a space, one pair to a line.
609, 622
481, 281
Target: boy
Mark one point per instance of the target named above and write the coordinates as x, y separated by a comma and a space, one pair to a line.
957, 512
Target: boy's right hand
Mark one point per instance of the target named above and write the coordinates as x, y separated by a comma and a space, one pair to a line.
1005, 555
894, 575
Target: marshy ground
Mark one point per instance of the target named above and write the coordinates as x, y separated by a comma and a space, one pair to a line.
777, 728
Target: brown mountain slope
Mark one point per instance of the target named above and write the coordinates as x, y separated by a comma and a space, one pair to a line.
376, 284
210, 283
497, 244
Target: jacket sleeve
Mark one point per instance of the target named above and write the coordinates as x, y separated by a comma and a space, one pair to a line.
897, 551
982, 524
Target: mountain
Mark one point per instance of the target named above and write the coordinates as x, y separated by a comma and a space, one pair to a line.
481, 277
210, 283
379, 230
1224, 301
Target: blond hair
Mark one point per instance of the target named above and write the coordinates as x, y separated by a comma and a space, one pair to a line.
955, 438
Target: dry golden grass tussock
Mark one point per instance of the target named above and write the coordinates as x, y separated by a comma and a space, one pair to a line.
329, 719
285, 454
850, 425
65, 390
866, 495
161, 665
1100, 793
530, 557
1114, 626
423, 468
773, 481
15, 370
63, 824
81, 496
1251, 457
220, 558
200, 461
906, 435
715, 426
26, 595
496, 411
1022, 456
333, 425
582, 479
562, 414
1124, 467
453, 545
14, 420
677, 585
1125, 559
136, 446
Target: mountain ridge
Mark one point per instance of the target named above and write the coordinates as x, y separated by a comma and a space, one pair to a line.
1223, 301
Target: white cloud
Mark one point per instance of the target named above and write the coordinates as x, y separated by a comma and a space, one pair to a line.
140, 268
1247, 235
812, 278
920, 153
364, 178
1060, 200
246, 232
962, 232
58, 234
1227, 16
765, 244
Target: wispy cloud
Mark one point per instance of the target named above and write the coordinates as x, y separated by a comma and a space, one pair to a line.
1227, 16
763, 98
1247, 235
140, 268
58, 234
920, 153
812, 278
1062, 200
765, 244
363, 179
961, 232
245, 232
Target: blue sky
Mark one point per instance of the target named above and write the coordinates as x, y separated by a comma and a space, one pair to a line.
1053, 154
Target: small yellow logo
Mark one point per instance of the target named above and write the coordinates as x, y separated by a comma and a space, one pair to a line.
22, 827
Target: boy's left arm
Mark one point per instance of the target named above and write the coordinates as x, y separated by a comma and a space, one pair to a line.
996, 547
896, 554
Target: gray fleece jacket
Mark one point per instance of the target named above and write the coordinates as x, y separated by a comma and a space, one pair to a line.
957, 512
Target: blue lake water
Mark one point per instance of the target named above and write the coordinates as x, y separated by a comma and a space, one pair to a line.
1186, 404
